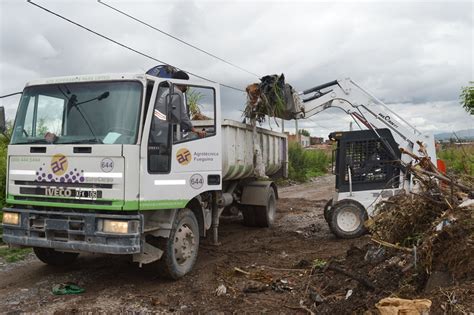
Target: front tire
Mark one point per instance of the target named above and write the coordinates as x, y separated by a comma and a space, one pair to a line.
54, 258
181, 248
347, 219
327, 211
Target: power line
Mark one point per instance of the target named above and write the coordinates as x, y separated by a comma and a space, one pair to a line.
127, 47
11, 94
178, 39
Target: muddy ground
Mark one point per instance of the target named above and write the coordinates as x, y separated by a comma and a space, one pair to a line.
272, 275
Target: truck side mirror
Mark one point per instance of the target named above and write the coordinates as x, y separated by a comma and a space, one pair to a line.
3, 124
173, 105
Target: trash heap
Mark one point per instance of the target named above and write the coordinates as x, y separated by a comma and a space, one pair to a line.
272, 97
436, 223
420, 257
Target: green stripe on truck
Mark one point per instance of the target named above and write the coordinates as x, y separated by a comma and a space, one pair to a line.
116, 204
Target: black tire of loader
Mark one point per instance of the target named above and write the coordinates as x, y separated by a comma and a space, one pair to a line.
327, 211
168, 266
342, 206
54, 258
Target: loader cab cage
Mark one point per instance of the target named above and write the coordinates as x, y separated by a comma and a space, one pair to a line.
363, 160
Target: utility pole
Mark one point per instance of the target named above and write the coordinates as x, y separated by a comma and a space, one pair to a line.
297, 131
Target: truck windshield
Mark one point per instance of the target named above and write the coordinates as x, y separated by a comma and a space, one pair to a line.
95, 112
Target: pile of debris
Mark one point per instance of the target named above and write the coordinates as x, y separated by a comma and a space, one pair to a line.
420, 254
272, 97
436, 223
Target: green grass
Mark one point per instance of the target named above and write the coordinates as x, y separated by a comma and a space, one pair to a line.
14, 254
305, 164
459, 159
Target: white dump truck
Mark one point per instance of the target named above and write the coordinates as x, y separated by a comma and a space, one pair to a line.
101, 164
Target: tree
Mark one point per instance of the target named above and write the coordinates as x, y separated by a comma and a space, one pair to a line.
467, 97
304, 132
194, 97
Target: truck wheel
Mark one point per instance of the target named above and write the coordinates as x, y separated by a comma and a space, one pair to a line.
248, 213
53, 257
265, 216
347, 219
327, 211
181, 248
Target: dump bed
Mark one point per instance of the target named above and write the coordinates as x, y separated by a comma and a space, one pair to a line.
237, 151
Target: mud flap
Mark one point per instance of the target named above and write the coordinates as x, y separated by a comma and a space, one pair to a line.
255, 193
150, 254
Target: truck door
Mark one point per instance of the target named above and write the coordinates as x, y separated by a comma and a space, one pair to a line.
176, 163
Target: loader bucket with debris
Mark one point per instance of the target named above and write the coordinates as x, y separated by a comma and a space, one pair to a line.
272, 97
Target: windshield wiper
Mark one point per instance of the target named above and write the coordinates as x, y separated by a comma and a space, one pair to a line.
80, 141
74, 103
33, 141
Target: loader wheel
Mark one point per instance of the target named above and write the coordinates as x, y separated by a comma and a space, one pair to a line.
181, 248
265, 216
327, 211
54, 258
347, 219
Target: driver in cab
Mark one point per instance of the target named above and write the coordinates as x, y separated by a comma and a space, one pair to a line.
185, 123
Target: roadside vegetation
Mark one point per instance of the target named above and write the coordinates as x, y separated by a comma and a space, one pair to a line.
11, 255
3, 164
306, 163
459, 159
8, 254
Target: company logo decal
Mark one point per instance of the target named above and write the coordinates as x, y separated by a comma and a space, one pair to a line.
59, 171
59, 164
183, 156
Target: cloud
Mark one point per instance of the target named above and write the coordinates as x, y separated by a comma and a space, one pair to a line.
415, 53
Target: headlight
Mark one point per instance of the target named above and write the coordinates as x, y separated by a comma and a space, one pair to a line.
11, 218
110, 226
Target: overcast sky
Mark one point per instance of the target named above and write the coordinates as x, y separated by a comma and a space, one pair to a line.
414, 55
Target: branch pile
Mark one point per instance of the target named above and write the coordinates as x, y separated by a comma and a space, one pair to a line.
436, 222
272, 97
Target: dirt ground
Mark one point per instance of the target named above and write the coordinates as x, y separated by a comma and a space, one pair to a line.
263, 270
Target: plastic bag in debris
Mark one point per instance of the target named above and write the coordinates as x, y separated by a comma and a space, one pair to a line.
396, 306
272, 97
66, 289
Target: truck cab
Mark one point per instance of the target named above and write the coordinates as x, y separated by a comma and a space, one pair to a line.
102, 164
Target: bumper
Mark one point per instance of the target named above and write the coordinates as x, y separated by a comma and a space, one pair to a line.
72, 231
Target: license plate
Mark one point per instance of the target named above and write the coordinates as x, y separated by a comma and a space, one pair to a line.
86, 194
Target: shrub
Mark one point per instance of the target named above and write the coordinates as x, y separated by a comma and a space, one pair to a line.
304, 164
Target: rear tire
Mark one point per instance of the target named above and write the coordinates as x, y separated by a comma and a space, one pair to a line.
260, 216
265, 216
347, 219
181, 248
248, 213
54, 258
